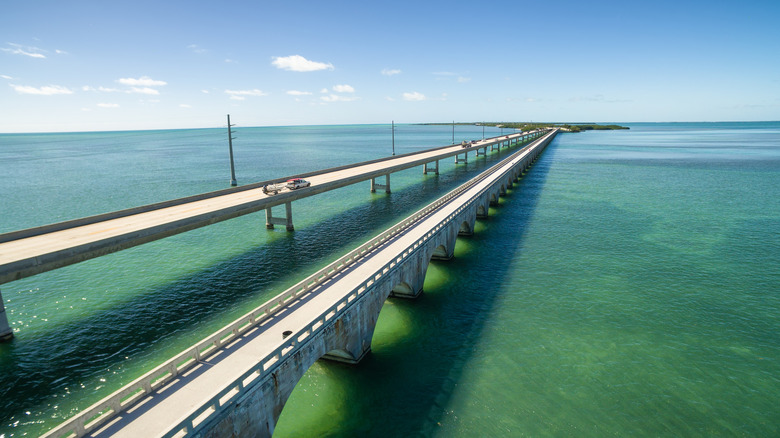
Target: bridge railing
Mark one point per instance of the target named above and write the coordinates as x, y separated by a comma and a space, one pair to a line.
98, 414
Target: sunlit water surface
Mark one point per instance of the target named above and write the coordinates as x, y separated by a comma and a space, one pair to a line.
628, 285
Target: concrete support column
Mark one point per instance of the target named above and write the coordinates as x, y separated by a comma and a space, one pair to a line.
376, 186
6, 333
426, 169
483, 153
270, 220
409, 290
464, 160
494, 198
482, 210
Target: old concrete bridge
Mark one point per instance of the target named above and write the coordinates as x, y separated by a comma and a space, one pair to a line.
237, 381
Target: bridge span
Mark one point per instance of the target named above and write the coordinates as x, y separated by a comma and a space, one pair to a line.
32, 251
237, 381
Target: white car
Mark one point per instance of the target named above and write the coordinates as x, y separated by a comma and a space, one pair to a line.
297, 183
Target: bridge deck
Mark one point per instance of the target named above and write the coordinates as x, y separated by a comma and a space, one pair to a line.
39, 253
173, 402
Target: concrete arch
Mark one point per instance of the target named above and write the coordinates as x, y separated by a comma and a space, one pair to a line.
340, 355
466, 229
407, 281
441, 253
347, 339
402, 289
482, 206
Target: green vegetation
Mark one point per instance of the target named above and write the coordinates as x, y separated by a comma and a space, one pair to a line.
564, 126
525, 126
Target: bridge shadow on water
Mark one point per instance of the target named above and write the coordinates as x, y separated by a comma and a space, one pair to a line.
421, 346
35, 369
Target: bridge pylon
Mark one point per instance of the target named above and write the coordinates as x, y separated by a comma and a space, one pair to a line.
270, 220
6, 333
377, 186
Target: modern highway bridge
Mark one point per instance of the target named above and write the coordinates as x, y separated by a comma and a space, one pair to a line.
236, 381
35, 250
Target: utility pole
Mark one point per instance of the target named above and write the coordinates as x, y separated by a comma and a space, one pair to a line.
392, 128
483, 130
233, 181
453, 132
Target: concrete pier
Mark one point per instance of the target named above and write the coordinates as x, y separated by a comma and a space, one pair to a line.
6, 333
377, 186
270, 220
434, 169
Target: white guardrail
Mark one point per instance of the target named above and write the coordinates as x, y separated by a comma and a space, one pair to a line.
99, 413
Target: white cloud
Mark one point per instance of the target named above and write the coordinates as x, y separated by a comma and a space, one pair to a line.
389, 72
144, 90
6, 77
143, 81
343, 89
461, 79
241, 94
42, 91
299, 63
196, 49
60, 52
184, 105
298, 93
324, 90
108, 105
101, 89
18, 49
204, 91
414, 96
337, 98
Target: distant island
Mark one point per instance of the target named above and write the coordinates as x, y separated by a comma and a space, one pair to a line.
526, 126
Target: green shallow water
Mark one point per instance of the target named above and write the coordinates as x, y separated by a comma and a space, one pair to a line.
628, 285
614, 292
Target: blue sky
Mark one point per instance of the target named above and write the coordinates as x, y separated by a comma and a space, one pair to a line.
111, 65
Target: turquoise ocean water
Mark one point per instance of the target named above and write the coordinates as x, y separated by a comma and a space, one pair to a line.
629, 285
